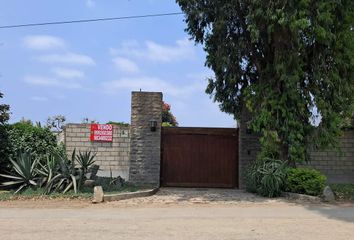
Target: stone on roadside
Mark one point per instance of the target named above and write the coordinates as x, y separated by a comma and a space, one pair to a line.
328, 195
97, 194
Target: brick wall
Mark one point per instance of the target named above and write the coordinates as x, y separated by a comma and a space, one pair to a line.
111, 156
145, 144
337, 166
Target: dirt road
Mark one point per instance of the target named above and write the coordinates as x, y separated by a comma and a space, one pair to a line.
152, 219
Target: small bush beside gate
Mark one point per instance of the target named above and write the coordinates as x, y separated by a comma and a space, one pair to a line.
269, 177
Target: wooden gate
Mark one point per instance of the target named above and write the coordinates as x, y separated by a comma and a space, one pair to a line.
199, 157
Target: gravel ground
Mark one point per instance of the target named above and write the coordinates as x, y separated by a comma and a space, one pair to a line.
177, 214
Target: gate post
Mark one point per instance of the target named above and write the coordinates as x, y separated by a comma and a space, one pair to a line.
145, 142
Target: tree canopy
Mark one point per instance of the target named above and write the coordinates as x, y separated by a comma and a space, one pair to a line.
168, 119
4, 111
56, 122
4, 136
290, 63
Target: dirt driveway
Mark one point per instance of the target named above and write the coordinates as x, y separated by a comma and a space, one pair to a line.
177, 214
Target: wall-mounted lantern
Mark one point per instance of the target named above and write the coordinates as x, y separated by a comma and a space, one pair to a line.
248, 128
153, 125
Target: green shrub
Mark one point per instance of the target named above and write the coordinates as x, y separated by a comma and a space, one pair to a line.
38, 141
343, 192
121, 124
167, 124
5, 149
305, 181
266, 177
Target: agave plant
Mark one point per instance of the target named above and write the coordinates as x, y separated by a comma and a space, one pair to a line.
273, 177
266, 177
85, 160
48, 170
25, 172
67, 176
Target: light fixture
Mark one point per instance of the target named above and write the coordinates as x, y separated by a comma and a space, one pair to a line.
153, 125
248, 128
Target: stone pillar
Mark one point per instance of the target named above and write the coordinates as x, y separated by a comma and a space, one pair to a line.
144, 143
249, 146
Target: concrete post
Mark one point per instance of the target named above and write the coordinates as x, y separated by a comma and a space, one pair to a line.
145, 144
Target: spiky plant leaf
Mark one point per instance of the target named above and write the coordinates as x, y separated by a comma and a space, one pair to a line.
25, 171
85, 160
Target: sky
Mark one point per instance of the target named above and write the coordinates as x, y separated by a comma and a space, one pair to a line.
88, 70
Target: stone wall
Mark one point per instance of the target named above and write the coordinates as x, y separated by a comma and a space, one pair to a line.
145, 144
111, 156
338, 166
249, 147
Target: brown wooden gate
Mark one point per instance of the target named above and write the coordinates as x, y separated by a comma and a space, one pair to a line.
199, 157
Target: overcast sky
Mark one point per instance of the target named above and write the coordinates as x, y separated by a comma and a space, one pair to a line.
89, 70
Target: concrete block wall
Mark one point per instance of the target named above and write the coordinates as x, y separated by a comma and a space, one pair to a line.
111, 156
337, 166
145, 144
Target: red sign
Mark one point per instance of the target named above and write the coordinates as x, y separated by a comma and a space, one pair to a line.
101, 132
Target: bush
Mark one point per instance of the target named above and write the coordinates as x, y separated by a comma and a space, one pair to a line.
343, 192
121, 124
38, 141
5, 148
266, 177
305, 181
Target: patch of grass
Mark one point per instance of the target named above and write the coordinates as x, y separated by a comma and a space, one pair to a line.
343, 192
110, 188
85, 193
39, 194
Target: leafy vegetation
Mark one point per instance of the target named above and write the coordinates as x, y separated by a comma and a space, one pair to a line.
25, 137
47, 170
39, 193
343, 192
57, 174
167, 124
26, 175
85, 160
266, 177
122, 124
67, 176
56, 122
4, 111
290, 63
5, 149
168, 119
114, 185
305, 181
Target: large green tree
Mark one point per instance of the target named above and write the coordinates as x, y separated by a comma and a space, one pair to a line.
4, 136
290, 62
4, 111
